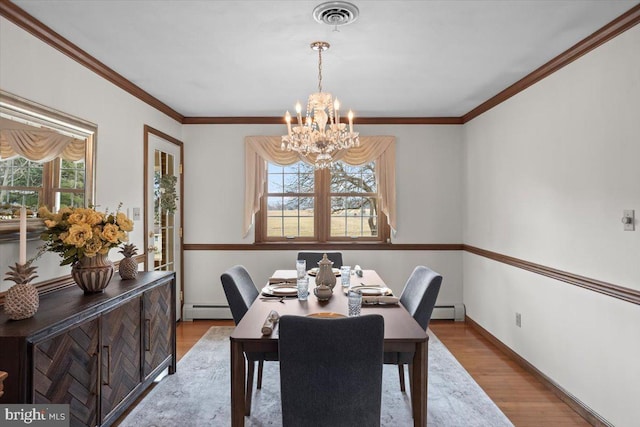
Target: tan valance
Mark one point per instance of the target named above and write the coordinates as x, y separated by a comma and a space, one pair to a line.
41, 145
262, 149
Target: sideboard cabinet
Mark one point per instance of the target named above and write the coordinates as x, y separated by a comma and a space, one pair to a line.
95, 352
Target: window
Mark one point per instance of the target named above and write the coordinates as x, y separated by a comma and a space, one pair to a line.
304, 204
55, 183
46, 159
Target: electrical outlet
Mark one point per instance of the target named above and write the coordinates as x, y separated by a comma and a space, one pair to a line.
518, 320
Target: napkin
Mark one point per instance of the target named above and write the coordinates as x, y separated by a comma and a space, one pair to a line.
284, 276
380, 299
270, 322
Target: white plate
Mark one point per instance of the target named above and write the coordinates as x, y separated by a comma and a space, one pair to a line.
314, 271
280, 290
372, 290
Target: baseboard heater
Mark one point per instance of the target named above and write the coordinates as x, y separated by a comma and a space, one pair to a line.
213, 311
206, 311
447, 312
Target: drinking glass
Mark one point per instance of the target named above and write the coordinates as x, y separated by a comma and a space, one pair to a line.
301, 268
303, 288
355, 303
345, 276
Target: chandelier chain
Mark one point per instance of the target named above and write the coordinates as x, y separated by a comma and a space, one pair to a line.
320, 70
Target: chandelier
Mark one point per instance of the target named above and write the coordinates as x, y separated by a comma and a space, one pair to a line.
321, 136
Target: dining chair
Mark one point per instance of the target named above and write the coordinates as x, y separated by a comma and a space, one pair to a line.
418, 298
313, 258
241, 292
331, 370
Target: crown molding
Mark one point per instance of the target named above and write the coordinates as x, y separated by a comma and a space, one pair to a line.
268, 120
33, 26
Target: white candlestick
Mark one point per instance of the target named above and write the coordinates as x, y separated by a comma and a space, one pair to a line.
299, 113
23, 235
350, 121
287, 118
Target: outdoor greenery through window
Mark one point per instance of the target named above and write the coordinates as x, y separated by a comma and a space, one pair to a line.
32, 184
335, 204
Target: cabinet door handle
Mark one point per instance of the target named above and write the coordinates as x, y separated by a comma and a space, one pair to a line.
147, 345
108, 352
95, 357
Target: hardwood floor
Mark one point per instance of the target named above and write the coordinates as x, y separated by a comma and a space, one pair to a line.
522, 398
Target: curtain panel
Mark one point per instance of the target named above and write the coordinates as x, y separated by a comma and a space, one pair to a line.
262, 149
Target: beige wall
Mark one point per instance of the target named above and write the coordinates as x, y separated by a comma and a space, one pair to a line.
548, 174
33, 70
429, 189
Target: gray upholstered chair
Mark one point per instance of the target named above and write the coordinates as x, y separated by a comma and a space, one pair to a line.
241, 292
331, 371
313, 258
418, 297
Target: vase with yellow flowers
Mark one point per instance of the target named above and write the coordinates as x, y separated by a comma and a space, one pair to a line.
83, 238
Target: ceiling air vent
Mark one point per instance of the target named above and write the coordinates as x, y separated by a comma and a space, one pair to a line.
336, 13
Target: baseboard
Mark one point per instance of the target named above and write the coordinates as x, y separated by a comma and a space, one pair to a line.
574, 403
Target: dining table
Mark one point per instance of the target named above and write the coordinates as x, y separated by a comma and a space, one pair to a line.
401, 334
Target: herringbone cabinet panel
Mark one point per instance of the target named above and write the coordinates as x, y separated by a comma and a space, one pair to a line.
120, 354
66, 371
157, 339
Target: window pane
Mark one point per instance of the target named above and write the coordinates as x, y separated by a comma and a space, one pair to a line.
353, 179
72, 174
275, 206
70, 199
291, 182
274, 227
275, 183
354, 217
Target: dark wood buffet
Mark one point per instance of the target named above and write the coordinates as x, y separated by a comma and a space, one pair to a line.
95, 352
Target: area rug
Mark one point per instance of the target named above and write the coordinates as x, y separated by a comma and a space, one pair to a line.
198, 394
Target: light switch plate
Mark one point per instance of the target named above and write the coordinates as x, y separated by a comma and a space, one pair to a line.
631, 225
136, 214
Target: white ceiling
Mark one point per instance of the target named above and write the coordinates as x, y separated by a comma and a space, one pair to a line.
252, 58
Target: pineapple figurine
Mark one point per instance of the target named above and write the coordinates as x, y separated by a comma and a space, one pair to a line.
22, 300
128, 265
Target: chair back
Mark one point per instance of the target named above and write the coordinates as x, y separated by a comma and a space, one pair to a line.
331, 370
313, 258
240, 291
420, 293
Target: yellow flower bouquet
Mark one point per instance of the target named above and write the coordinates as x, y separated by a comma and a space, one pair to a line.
76, 233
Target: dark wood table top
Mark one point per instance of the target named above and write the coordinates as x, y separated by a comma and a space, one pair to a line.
399, 325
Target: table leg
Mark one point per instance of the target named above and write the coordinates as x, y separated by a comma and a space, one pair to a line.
237, 384
419, 384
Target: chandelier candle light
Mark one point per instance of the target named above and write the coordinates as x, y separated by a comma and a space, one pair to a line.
321, 135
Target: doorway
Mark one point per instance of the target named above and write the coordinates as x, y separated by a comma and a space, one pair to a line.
163, 189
